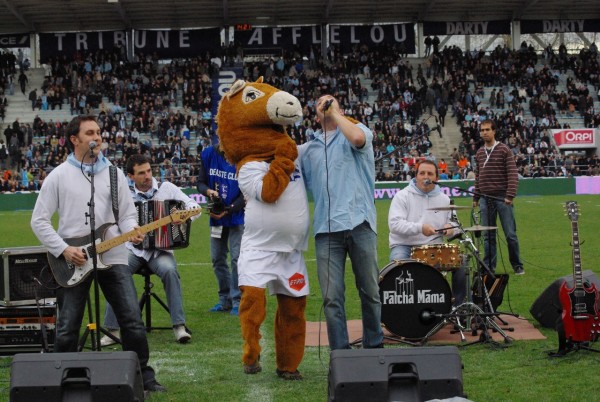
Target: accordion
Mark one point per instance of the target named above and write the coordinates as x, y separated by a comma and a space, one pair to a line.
167, 237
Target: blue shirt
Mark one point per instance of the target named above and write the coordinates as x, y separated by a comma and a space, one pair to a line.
350, 176
222, 177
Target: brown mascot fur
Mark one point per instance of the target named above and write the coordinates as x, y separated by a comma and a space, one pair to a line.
251, 121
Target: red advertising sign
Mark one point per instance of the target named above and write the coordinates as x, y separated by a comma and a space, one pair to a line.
575, 138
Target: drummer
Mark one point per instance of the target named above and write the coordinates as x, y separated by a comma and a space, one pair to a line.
412, 222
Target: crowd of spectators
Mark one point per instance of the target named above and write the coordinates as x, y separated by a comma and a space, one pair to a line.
153, 107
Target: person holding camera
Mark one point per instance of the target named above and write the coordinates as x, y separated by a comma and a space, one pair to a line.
217, 180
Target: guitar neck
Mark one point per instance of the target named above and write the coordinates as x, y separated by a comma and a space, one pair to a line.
577, 274
116, 241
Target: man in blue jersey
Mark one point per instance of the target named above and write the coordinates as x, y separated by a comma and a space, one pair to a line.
217, 180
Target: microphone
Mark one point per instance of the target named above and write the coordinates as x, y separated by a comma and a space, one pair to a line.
428, 316
428, 182
327, 104
93, 144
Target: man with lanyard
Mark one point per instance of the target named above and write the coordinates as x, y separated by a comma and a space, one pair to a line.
159, 262
496, 181
217, 180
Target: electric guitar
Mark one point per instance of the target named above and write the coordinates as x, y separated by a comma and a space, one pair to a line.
580, 303
68, 274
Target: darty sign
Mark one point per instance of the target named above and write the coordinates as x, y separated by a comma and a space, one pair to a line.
575, 138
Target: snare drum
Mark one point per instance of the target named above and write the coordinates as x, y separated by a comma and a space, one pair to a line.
412, 294
444, 257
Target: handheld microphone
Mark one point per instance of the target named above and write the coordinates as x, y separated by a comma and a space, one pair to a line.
327, 104
93, 144
428, 182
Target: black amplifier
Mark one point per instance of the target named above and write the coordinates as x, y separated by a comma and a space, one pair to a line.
24, 276
24, 340
21, 328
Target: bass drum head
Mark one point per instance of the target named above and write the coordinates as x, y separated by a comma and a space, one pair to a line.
411, 294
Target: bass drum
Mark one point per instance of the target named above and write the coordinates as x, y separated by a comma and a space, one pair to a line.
412, 295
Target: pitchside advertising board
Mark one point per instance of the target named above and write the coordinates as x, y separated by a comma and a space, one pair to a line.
581, 138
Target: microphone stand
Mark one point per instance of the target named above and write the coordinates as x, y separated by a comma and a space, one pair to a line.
93, 327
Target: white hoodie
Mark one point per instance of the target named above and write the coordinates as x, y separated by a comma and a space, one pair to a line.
409, 211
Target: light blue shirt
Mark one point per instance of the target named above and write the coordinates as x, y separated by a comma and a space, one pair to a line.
350, 177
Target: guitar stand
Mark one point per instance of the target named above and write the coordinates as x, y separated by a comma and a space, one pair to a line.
566, 346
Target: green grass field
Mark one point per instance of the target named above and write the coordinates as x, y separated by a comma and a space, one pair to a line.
209, 368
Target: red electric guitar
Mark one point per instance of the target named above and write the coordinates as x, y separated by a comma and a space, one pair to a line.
580, 303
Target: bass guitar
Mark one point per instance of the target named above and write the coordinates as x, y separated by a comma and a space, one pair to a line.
68, 274
579, 303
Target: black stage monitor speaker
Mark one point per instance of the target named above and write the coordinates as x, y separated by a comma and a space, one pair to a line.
547, 308
400, 374
81, 377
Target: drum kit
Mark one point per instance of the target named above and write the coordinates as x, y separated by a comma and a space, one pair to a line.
416, 297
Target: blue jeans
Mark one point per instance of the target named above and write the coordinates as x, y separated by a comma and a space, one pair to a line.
459, 276
165, 267
490, 210
360, 244
118, 288
231, 240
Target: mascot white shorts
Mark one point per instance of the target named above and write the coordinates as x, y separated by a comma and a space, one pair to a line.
283, 273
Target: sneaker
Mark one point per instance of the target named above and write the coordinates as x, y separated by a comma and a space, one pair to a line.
519, 271
181, 335
154, 386
235, 311
107, 341
219, 308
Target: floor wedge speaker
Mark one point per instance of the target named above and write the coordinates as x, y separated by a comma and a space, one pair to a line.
395, 374
81, 377
546, 309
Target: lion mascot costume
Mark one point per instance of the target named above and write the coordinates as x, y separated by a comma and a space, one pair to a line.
251, 126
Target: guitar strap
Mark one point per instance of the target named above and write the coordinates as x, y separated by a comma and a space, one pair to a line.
114, 191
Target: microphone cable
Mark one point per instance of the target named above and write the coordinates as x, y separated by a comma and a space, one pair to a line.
326, 293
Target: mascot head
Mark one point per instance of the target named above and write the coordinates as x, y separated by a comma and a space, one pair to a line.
252, 117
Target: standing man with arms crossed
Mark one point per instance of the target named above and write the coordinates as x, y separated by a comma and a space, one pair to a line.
339, 170
496, 176
159, 262
218, 181
67, 190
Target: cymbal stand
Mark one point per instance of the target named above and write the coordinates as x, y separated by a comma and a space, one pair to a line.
471, 312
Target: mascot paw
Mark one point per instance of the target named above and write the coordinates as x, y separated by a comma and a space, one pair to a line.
286, 150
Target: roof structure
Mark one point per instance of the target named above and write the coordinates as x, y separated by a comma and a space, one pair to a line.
22, 16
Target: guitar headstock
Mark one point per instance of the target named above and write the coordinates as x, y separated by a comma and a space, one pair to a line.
185, 214
572, 210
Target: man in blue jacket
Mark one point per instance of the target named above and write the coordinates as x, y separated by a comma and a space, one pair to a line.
217, 180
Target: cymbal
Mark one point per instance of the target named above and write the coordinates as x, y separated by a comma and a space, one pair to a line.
448, 208
479, 228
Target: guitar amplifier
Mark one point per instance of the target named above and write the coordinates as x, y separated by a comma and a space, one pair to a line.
25, 276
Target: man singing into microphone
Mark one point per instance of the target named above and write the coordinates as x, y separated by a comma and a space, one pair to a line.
339, 171
413, 223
